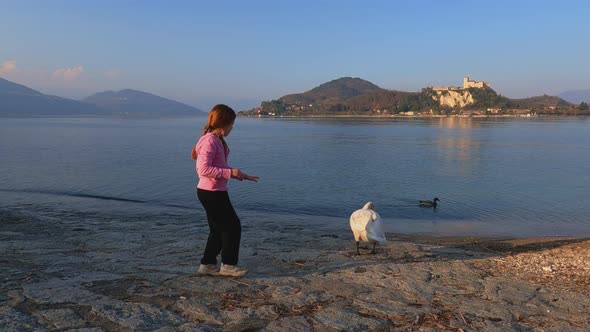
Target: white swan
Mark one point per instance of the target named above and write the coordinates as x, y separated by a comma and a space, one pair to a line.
366, 226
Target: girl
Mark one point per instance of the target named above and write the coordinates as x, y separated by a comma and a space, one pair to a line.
225, 230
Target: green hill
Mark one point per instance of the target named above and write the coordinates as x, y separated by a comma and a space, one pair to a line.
333, 92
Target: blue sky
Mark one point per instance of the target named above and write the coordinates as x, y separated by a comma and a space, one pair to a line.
242, 52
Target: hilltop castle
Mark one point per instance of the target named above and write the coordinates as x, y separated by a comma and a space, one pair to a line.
467, 83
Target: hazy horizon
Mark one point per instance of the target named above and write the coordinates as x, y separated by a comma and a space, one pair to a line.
242, 53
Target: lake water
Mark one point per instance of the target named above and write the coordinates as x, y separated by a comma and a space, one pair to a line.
515, 177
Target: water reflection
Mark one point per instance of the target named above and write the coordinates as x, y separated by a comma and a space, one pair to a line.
457, 123
456, 146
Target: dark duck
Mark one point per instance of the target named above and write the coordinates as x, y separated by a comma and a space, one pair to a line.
433, 203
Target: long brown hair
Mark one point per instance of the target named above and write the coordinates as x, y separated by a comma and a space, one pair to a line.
220, 117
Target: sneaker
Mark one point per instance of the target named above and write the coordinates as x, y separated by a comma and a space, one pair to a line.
232, 270
208, 270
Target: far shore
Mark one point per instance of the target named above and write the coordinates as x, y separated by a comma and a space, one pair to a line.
90, 272
130, 117
416, 116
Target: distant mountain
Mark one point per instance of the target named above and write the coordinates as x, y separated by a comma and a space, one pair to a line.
138, 103
541, 101
576, 96
17, 100
8, 87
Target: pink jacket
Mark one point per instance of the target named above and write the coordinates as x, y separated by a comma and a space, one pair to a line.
212, 167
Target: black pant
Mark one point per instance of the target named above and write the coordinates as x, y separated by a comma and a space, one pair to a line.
225, 229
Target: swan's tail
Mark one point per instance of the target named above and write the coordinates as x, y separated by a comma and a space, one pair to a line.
369, 206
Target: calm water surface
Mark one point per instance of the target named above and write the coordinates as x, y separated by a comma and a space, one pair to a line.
517, 177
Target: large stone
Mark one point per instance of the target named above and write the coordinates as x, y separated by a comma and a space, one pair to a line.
196, 311
13, 320
244, 324
289, 324
47, 293
344, 319
67, 290
136, 316
191, 327
62, 318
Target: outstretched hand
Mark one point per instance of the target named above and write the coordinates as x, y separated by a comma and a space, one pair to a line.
237, 174
251, 178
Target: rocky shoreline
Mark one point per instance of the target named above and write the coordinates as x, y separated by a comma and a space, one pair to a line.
89, 272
